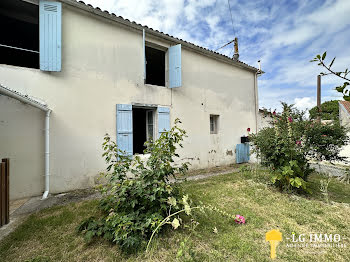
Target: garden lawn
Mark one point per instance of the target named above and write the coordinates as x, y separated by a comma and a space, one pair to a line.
50, 235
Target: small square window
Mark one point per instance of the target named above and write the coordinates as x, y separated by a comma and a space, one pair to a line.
214, 124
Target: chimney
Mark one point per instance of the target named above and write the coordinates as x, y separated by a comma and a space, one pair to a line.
236, 54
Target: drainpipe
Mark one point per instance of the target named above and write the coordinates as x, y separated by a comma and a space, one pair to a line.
47, 154
256, 100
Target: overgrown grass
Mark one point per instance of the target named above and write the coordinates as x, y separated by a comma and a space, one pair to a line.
50, 234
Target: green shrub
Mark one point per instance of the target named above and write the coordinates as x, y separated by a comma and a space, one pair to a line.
292, 141
133, 207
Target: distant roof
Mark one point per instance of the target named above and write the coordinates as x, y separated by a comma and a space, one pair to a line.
346, 105
121, 20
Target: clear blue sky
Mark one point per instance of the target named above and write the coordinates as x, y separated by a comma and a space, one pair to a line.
283, 34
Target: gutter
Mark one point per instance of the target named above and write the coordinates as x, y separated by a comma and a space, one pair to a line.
27, 100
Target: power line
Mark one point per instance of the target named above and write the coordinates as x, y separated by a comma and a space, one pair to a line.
224, 45
229, 7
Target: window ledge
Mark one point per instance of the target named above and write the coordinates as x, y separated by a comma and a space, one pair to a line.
150, 85
20, 67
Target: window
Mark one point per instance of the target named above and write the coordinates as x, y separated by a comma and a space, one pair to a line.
19, 42
214, 124
143, 128
137, 124
155, 66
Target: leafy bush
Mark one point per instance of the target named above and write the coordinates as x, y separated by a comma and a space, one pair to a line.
292, 141
137, 195
329, 111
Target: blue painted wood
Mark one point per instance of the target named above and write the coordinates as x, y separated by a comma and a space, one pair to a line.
242, 153
50, 28
163, 120
175, 66
124, 128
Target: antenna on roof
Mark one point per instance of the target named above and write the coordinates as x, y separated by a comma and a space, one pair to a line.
236, 54
225, 45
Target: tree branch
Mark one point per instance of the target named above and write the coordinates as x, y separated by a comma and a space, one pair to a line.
332, 72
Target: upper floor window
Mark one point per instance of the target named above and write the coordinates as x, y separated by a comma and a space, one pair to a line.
155, 66
19, 42
28, 41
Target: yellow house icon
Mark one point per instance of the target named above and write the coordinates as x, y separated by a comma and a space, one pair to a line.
274, 237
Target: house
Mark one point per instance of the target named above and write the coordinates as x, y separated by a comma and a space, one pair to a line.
70, 73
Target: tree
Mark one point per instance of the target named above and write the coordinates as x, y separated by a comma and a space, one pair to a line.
329, 111
341, 74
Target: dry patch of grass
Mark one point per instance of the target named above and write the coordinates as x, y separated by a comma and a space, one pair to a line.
50, 234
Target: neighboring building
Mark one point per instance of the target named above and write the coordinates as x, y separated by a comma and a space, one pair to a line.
94, 78
344, 118
344, 113
265, 119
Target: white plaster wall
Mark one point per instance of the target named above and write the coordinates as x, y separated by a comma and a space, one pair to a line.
102, 65
264, 121
21, 140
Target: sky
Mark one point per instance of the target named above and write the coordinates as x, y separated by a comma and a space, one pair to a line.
284, 34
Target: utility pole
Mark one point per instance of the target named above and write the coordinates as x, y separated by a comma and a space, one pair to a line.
319, 98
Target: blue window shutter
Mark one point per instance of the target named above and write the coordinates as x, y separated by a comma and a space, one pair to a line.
124, 128
175, 66
163, 120
50, 27
242, 153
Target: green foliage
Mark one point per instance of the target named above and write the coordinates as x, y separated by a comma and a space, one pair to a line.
329, 111
324, 141
292, 141
137, 196
341, 74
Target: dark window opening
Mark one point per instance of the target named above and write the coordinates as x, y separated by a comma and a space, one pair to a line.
155, 66
143, 128
214, 124
19, 42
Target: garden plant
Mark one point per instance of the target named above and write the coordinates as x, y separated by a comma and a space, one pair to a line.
137, 196
293, 140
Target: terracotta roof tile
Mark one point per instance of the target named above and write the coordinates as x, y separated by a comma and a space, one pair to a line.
346, 105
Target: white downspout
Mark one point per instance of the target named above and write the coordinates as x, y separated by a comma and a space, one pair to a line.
47, 155
256, 101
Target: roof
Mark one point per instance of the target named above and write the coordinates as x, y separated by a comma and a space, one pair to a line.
23, 98
156, 33
345, 105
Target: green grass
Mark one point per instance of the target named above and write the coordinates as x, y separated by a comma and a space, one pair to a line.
50, 234
338, 191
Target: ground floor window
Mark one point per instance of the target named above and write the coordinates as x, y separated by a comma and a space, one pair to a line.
143, 128
137, 123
